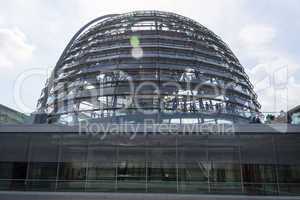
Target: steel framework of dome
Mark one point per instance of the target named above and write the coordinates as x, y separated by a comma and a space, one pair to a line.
147, 66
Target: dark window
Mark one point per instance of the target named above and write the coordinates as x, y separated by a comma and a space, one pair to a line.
225, 178
257, 149
101, 171
225, 172
44, 149
289, 173
12, 175
43, 170
256, 173
193, 177
41, 185
223, 149
14, 148
13, 170
162, 176
288, 150
74, 149
72, 171
70, 186
259, 179
131, 176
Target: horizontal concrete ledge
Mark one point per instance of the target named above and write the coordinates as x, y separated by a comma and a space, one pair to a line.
129, 196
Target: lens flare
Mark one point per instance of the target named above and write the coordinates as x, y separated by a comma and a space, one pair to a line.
134, 41
137, 52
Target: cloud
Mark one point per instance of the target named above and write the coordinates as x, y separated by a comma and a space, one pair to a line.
257, 39
274, 69
275, 84
14, 48
257, 35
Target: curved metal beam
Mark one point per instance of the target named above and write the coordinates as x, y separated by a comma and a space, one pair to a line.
77, 34
53, 75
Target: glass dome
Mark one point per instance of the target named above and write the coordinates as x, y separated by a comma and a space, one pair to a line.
147, 67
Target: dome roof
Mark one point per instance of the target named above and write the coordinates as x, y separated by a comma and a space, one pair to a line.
147, 65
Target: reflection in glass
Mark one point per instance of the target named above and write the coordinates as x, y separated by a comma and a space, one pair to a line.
162, 177
42, 170
72, 171
193, 177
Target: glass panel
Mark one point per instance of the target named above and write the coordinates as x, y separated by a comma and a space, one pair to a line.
193, 177
131, 170
13, 147
225, 172
162, 177
288, 149
101, 171
72, 171
289, 173
43, 170
223, 149
289, 188
74, 148
257, 149
192, 154
260, 189
196, 171
226, 187
225, 178
133, 153
75, 186
163, 153
14, 185
5, 185
131, 176
44, 149
192, 149
255, 173
101, 186
13, 170
98, 153
41, 185
259, 179
161, 148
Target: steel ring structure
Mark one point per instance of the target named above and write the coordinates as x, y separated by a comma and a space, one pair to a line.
147, 66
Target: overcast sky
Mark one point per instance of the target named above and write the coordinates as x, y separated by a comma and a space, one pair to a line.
263, 34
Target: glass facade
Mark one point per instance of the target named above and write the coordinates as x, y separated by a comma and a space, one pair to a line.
258, 164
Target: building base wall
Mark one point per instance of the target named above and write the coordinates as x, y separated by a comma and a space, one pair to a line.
128, 196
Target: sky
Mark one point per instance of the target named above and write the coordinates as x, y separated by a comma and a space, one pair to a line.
263, 34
